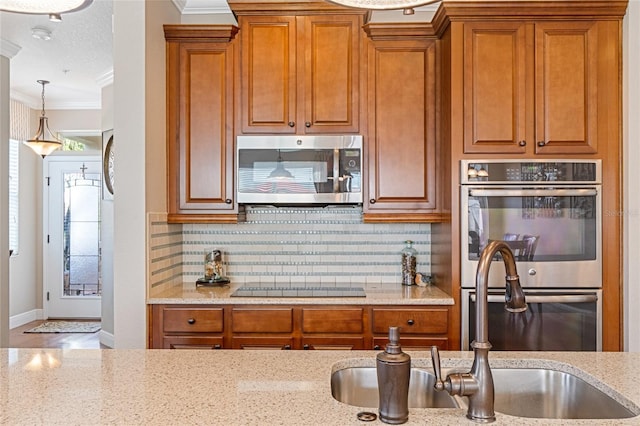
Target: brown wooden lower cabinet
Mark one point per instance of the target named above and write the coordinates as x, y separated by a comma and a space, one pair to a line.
307, 327
414, 343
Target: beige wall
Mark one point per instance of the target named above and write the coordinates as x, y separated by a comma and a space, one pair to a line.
157, 13
71, 120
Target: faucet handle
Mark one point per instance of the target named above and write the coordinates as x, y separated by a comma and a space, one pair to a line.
435, 360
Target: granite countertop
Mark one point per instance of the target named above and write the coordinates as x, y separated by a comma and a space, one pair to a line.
375, 294
228, 387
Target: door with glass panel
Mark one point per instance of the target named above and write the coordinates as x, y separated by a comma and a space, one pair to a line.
72, 267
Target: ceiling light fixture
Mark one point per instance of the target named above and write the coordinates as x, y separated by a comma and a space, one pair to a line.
43, 7
41, 33
55, 17
44, 142
406, 5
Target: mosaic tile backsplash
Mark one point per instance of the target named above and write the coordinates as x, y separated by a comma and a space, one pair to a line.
287, 246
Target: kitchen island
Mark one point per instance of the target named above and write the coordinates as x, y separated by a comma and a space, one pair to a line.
170, 387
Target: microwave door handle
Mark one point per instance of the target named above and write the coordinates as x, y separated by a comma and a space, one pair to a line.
550, 298
336, 171
556, 192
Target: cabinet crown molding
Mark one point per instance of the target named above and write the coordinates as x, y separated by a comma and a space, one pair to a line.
199, 33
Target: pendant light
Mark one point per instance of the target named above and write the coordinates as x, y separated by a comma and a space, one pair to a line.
406, 5
280, 172
54, 9
44, 142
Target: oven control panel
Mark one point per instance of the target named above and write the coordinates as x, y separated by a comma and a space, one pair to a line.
534, 171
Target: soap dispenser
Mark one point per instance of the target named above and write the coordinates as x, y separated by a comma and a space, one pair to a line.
394, 370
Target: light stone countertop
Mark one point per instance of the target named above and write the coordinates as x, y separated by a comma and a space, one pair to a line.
229, 387
376, 294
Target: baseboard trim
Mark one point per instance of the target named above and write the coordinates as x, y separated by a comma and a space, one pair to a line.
24, 318
106, 338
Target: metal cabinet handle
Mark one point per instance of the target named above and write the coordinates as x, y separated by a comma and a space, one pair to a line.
307, 124
306, 347
191, 320
376, 347
228, 201
411, 322
372, 201
218, 346
541, 143
287, 347
291, 124
522, 143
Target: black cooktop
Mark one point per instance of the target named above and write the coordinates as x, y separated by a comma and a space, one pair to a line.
299, 292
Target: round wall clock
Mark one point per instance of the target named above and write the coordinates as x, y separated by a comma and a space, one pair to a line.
107, 165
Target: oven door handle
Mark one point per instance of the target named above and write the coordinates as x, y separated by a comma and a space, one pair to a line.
554, 192
564, 298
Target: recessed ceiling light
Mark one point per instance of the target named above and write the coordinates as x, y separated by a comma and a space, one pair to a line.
43, 7
41, 33
55, 17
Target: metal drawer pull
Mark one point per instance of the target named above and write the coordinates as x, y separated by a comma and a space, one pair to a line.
411, 322
191, 321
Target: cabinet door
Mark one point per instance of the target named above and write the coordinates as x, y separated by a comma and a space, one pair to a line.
259, 343
328, 74
268, 74
333, 343
401, 143
566, 87
498, 81
192, 342
200, 135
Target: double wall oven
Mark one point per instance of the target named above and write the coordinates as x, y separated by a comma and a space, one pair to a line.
549, 212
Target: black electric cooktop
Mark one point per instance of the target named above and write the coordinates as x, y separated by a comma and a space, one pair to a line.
299, 292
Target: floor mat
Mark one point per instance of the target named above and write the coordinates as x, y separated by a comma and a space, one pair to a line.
66, 327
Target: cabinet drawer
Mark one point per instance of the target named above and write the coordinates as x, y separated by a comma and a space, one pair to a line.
189, 320
333, 343
277, 320
267, 343
414, 343
411, 321
192, 342
332, 320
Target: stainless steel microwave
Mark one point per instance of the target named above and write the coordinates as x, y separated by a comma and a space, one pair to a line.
290, 169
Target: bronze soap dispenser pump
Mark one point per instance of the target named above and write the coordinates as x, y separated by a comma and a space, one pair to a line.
394, 371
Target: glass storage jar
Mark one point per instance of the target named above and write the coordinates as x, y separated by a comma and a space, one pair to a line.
409, 255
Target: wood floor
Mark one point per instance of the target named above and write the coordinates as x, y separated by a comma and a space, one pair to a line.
19, 339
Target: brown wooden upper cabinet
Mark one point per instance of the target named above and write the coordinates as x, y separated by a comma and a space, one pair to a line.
300, 74
200, 117
532, 88
401, 144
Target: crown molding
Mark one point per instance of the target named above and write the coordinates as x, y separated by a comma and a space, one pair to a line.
202, 7
105, 79
8, 49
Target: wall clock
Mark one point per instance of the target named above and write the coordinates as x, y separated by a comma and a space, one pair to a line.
108, 156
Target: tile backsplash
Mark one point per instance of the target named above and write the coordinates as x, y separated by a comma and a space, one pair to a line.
328, 245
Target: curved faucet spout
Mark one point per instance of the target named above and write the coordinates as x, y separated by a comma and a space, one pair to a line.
478, 383
514, 296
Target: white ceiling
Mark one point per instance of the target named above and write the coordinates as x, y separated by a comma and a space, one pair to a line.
78, 60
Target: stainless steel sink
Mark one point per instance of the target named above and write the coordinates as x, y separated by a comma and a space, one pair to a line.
551, 394
359, 386
533, 393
